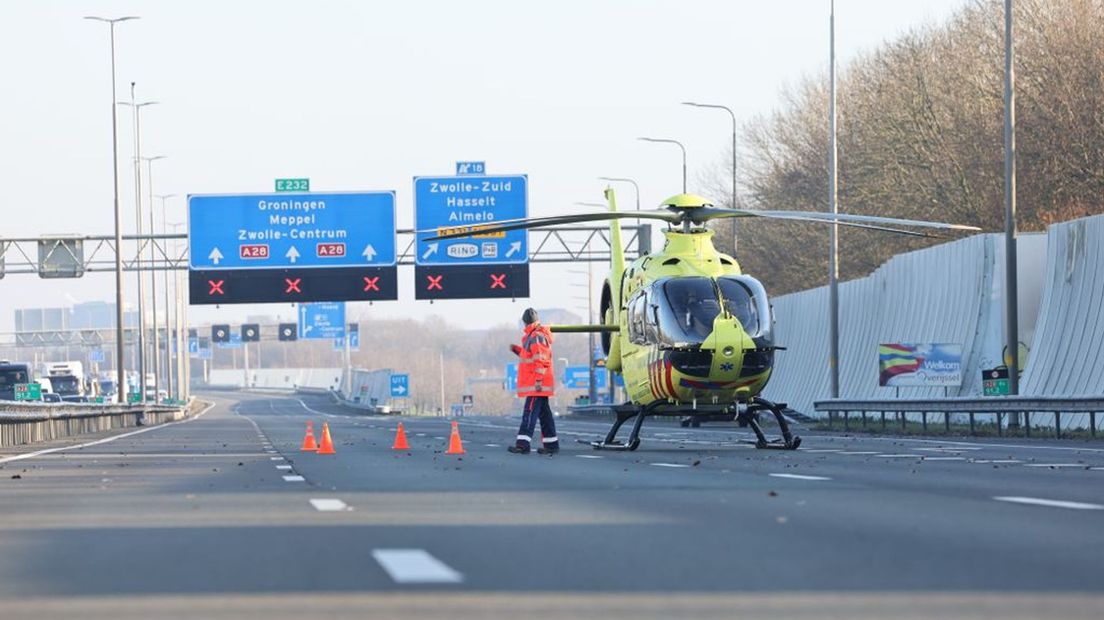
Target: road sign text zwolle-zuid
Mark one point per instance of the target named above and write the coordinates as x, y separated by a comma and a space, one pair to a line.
292, 247
488, 265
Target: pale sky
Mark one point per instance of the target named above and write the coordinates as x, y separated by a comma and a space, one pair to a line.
360, 95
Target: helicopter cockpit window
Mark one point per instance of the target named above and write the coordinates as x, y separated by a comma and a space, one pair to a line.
637, 309
746, 299
686, 317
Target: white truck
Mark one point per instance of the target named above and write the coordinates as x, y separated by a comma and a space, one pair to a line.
67, 380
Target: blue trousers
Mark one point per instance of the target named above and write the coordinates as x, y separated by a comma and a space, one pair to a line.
536, 407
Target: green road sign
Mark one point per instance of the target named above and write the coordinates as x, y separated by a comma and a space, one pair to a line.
134, 397
28, 391
293, 185
994, 381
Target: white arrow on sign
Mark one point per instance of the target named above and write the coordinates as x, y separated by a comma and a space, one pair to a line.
399, 389
215, 256
515, 247
369, 252
430, 251
303, 321
292, 254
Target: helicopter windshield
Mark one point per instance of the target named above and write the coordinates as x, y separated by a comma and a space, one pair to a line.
687, 317
746, 299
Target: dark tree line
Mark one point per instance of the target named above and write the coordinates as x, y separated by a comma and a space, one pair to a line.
920, 135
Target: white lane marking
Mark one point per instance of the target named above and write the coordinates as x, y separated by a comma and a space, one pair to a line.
859, 453
944, 458
1007, 461
275, 458
947, 449
898, 456
492, 445
1097, 468
283, 467
419, 434
415, 566
31, 455
294, 479
328, 505
308, 408
823, 450
799, 477
588, 456
1052, 503
1053, 465
678, 465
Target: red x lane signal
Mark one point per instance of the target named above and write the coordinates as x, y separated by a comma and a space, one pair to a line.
498, 280
293, 285
216, 287
434, 283
371, 284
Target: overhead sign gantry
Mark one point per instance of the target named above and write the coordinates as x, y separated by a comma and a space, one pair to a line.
292, 247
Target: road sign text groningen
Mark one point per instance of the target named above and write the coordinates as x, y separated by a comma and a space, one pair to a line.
271, 231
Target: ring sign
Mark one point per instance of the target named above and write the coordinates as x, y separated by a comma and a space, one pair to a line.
465, 203
282, 231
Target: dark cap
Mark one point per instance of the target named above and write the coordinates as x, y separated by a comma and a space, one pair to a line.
529, 316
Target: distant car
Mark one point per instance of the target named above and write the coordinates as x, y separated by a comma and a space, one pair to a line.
50, 397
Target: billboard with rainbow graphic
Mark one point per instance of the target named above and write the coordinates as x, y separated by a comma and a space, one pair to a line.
906, 364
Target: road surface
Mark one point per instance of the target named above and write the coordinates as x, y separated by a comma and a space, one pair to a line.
222, 516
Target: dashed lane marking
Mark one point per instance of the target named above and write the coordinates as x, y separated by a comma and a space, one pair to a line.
1052, 503
676, 465
944, 458
859, 453
415, 566
284, 467
1056, 465
799, 477
956, 449
294, 479
898, 456
328, 505
588, 456
275, 458
825, 450
492, 445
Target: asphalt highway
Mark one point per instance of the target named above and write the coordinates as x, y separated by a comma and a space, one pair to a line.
222, 516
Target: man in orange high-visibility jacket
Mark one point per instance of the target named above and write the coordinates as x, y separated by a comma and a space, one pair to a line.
535, 385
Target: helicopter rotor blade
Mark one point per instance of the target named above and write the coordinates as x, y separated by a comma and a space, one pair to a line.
844, 219
897, 231
542, 222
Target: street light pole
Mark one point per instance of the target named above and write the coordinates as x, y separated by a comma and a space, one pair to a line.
141, 361
717, 106
120, 372
679, 144
153, 286
169, 339
833, 206
1011, 299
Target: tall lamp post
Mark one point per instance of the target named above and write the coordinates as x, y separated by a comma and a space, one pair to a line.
170, 341
120, 373
137, 108
153, 284
183, 359
732, 114
833, 206
1011, 285
680, 145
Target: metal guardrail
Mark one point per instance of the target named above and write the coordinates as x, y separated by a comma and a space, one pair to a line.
22, 424
998, 407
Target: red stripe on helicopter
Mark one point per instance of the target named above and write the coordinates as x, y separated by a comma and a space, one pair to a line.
670, 386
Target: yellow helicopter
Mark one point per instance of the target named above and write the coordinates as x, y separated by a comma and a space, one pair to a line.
689, 332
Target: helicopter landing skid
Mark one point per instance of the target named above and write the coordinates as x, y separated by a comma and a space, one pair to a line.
750, 416
611, 442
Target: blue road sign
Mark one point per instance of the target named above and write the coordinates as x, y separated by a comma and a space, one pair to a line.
278, 231
96, 355
354, 340
578, 377
470, 167
450, 203
400, 386
511, 377
339, 344
204, 354
322, 321
235, 342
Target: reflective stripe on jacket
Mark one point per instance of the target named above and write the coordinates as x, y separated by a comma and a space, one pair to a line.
535, 368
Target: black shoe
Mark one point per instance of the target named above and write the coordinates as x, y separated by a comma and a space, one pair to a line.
549, 450
518, 449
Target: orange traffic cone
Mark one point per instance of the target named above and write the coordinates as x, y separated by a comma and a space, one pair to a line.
400, 439
308, 439
326, 447
455, 445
